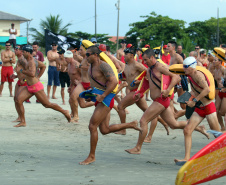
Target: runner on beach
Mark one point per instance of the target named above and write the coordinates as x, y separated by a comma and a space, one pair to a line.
34, 87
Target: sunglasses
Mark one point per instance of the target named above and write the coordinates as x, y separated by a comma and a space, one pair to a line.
187, 66
7, 45
128, 50
53, 45
88, 54
196, 48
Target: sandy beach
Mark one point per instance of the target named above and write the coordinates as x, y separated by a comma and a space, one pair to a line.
48, 150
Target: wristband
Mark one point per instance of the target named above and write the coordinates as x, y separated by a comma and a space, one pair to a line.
21, 70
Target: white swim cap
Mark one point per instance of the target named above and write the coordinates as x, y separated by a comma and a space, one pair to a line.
190, 62
68, 54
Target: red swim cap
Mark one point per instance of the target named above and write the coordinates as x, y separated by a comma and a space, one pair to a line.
102, 47
147, 46
129, 45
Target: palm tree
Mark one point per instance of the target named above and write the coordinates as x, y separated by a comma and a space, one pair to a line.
52, 23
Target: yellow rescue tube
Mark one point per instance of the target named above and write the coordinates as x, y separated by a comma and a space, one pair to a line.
86, 44
178, 69
219, 53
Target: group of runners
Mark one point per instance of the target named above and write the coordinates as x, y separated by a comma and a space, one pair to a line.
82, 69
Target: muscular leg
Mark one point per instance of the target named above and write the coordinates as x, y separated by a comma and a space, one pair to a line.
152, 112
10, 89
54, 92
151, 131
100, 119
41, 96
48, 90
1, 88
74, 104
125, 102
62, 95
17, 89
100, 114
164, 124
194, 121
222, 112
21, 96
218, 103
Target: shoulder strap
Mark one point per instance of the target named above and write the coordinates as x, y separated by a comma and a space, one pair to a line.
154, 81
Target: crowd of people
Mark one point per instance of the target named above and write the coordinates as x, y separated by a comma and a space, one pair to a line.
83, 70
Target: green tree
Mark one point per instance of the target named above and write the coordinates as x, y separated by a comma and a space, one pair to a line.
52, 23
155, 29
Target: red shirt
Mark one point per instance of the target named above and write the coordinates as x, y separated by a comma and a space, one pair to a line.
39, 56
166, 59
140, 57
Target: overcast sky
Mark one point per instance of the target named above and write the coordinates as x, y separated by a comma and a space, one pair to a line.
81, 12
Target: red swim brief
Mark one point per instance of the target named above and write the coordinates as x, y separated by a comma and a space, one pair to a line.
222, 95
164, 101
35, 88
111, 104
134, 90
6, 72
86, 85
208, 109
19, 84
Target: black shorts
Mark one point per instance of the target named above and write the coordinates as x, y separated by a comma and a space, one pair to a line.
64, 78
13, 42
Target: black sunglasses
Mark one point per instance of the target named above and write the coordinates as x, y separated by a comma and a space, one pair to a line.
88, 54
128, 50
7, 45
196, 48
54, 45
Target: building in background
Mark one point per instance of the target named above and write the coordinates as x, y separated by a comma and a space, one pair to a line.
6, 19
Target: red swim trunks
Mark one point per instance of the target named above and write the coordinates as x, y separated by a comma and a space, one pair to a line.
86, 85
111, 104
134, 90
164, 101
35, 88
222, 95
6, 72
208, 109
19, 84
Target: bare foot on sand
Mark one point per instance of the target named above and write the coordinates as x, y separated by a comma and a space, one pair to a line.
74, 119
121, 132
11, 95
63, 103
68, 116
20, 125
147, 140
127, 112
17, 120
180, 162
203, 131
54, 97
133, 151
88, 160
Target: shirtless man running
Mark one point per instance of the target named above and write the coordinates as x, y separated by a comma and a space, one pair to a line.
199, 81
103, 73
131, 71
120, 53
8, 58
161, 100
74, 73
219, 74
34, 87
176, 59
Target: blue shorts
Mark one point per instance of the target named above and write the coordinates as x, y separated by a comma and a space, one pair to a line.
53, 75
